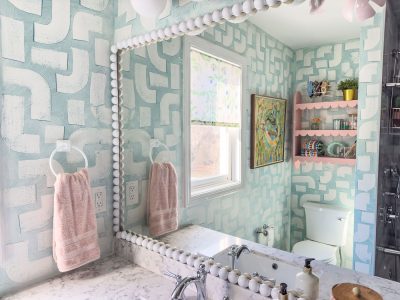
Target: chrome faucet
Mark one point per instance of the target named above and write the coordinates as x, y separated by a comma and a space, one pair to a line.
235, 252
199, 280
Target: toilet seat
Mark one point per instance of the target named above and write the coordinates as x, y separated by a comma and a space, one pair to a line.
319, 251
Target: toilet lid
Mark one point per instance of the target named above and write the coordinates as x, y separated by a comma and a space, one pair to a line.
315, 250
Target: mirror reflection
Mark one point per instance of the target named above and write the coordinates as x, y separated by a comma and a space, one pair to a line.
226, 130
196, 102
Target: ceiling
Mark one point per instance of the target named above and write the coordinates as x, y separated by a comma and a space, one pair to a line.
297, 28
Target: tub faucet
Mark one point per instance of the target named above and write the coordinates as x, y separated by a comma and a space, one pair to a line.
235, 252
200, 282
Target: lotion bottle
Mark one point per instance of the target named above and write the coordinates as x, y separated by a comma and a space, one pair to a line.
307, 281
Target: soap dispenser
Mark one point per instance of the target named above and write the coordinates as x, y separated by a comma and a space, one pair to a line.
283, 294
307, 281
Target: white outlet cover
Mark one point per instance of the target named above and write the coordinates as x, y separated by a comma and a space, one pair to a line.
99, 195
132, 192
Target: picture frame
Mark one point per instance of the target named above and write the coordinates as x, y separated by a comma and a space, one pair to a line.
268, 125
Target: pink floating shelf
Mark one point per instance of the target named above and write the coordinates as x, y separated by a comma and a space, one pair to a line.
299, 107
325, 133
328, 160
326, 105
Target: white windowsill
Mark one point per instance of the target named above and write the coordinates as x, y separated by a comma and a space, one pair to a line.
214, 191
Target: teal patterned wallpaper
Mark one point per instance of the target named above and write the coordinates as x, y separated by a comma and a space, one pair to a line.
153, 108
325, 183
54, 85
369, 118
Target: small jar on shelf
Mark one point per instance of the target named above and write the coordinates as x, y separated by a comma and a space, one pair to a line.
337, 123
345, 125
353, 121
315, 123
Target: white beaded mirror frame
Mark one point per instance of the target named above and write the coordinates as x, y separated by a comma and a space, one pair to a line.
236, 13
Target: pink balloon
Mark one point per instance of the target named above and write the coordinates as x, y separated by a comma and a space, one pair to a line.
364, 10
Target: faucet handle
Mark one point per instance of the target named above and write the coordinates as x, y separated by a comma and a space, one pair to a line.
201, 271
232, 250
177, 277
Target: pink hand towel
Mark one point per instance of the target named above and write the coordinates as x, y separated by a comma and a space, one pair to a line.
162, 203
74, 223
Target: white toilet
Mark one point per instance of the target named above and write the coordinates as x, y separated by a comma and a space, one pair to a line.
326, 228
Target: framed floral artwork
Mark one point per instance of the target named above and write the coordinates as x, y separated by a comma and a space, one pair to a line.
268, 118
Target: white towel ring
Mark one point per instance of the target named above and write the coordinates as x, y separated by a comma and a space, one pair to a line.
56, 150
154, 143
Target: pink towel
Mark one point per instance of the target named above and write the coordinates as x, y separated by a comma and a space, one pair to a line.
162, 203
74, 222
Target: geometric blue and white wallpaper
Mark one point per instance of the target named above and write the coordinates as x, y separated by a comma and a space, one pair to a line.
370, 93
54, 73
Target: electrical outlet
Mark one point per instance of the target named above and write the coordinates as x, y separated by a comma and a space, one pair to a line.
99, 197
132, 192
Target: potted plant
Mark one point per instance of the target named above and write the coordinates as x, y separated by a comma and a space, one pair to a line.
349, 87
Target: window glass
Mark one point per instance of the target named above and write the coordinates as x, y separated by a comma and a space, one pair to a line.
215, 121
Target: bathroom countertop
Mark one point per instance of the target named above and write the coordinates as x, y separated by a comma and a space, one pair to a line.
118, 278
208, 242
108, 278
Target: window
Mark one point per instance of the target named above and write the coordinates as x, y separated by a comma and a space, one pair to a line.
215, 117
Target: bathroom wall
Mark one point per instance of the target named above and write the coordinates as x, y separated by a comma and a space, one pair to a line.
154, 109
64, 94
54, 70
325, 183
370, 93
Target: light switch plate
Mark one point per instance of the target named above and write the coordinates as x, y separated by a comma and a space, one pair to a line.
99, 198
132, 192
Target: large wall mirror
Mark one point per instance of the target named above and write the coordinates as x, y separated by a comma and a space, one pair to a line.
187, 100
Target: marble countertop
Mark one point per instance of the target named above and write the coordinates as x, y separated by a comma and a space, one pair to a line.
207, 242
108, 278
119, 278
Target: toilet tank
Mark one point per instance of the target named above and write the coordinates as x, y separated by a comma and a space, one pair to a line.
326, 223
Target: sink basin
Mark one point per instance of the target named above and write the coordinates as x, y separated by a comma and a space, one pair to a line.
262, 264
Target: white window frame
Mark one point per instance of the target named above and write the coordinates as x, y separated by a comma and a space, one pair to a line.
225, 186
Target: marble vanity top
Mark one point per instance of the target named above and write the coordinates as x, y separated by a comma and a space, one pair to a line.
208, 242
119, 278
109, 278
